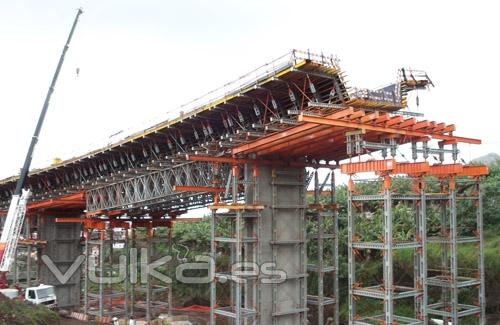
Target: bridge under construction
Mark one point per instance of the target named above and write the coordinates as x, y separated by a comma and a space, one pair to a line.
260, 153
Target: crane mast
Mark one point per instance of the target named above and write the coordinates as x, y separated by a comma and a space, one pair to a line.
17, 209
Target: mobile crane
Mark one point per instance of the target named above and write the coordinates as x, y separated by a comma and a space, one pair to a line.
17, 209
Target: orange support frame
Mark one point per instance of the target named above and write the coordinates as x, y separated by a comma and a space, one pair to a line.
446, 170
390, 166
368, 166
408, 131
76, 200
475, 171
95, 224
384, 167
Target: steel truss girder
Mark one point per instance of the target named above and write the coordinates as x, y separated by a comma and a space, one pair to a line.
156, 188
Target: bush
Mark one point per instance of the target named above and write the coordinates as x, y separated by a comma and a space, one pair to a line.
17, 312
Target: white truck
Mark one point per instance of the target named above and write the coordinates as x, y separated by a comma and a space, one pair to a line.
41, 295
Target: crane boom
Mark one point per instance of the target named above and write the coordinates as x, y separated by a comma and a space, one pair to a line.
17, 208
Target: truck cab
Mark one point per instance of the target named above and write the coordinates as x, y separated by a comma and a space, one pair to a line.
43, 294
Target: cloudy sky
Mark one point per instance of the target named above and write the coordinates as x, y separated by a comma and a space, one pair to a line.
140, 60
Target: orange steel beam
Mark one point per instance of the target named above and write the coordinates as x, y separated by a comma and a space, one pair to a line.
298, 142
394, 120
382, 119
408, 122
355, 125
439, 127
449, 128
313, 129
474, 171
368, 166
288, 134
388, 166
310, 147
77, 199
369, 117
31, 242
70, 220
181, 188
90, 223
109, 213
411, 168
356, 115
278, 137
83, 220
446, 170
421, 125
321, 145
459, 170
151, 223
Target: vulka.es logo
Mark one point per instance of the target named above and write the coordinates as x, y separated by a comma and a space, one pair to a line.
198, 272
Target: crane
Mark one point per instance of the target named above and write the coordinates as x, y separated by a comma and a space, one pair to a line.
17, 208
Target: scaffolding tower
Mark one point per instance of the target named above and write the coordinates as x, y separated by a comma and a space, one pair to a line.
235, 229
26, 266
388, 291
457, 290
435, 195
106, 284
323, 250
148, 295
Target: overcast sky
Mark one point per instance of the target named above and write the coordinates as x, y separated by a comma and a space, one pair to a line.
140, 60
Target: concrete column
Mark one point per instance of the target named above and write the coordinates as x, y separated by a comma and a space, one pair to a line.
282, 241
63, 248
